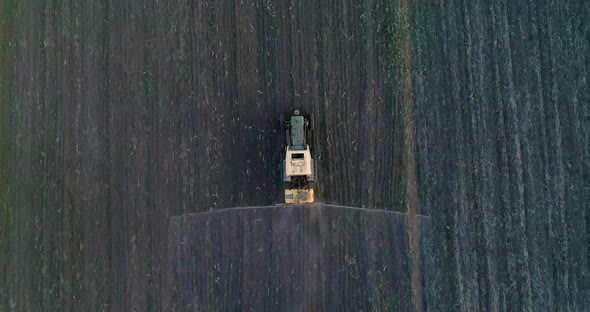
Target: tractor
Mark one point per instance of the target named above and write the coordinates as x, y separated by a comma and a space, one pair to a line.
298, 167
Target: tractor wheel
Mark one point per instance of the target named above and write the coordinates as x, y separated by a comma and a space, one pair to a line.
282, 121
282, 169
288, 137
309, 133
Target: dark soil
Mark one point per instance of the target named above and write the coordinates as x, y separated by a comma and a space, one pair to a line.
290, 258
117, 115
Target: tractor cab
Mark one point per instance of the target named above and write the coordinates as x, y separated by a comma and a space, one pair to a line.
298, 162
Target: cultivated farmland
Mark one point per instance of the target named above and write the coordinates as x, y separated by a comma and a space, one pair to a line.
116, 116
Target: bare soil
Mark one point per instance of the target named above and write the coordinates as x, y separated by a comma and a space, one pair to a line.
117, 115
290, 258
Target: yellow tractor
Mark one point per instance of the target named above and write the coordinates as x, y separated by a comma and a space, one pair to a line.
298, 167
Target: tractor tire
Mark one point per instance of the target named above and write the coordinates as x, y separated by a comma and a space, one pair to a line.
309, 135
282, 169
288, 137
282, 122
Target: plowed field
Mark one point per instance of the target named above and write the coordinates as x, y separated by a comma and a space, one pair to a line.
117, 115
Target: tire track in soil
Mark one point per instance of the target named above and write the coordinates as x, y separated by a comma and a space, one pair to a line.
406, 100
